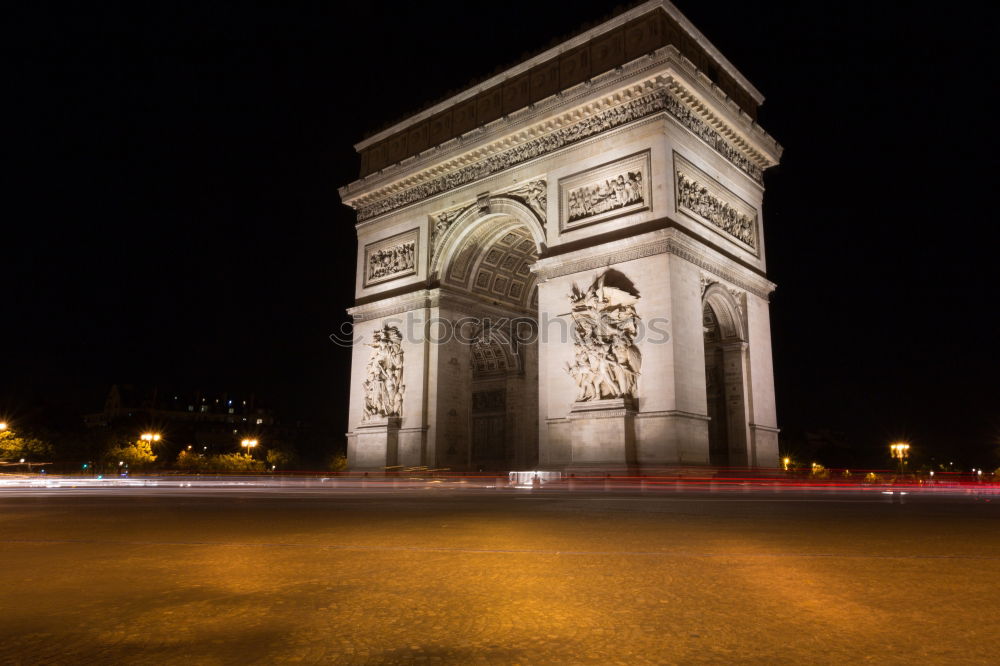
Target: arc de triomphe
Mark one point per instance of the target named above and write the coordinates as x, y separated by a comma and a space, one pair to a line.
564, 267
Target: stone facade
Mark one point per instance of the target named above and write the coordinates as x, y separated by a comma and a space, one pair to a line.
578, 284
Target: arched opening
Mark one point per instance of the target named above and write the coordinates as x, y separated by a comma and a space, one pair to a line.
725, 379
495, 369
485, 261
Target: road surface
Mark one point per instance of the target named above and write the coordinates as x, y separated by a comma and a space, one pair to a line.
436, 575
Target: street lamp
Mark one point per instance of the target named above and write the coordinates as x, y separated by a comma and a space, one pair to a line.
248, 444
900, 451
151, 437
3, 425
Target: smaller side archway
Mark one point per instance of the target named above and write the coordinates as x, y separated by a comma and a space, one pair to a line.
726, 378
726, 312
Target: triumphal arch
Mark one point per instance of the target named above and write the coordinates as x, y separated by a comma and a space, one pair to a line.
563, 267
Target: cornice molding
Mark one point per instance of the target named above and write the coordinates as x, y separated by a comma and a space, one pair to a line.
422, 298
697, 104
462, 300
659, 100
664, 241
414, 300
671, 413
727, 270
601, 256
764, 428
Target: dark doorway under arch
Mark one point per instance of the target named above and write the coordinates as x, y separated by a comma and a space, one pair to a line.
725, 381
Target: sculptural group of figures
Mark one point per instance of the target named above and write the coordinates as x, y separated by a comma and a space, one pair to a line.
695, 197
391, 260
607, 361
384, 381
613, 193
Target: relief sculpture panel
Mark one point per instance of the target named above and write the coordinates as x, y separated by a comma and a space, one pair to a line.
607, 191
607, 360
391, 258
706, 200
383, 385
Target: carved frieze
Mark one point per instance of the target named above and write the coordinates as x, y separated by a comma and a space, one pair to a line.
610, 190
607, 360
706, 200
383, 383
656, 101
391, 258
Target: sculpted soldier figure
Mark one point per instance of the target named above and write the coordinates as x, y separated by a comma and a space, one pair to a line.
384, 375
607, 359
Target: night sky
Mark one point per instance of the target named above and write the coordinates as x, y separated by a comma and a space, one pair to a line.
171, 214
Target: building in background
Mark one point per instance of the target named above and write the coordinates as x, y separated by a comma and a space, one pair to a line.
205, 421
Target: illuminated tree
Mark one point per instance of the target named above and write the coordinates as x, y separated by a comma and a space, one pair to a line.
137, 455
14, 446
234, 462
191, 461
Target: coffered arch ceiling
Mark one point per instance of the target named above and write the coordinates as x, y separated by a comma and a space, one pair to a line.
495, 262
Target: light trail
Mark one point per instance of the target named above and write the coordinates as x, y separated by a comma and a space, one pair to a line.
633, 485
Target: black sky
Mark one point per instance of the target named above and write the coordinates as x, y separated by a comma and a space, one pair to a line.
171, 214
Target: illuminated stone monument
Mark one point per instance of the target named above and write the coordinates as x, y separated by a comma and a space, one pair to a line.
563, 267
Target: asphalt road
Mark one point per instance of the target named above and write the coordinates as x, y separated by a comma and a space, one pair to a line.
206, 576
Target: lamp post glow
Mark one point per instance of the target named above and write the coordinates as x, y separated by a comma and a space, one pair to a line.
151, 437
248, 444
3, 425
900, 451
